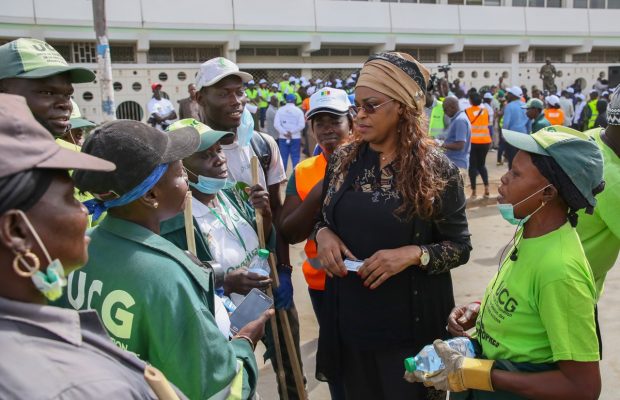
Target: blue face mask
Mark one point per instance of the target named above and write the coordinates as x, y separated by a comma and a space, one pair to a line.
246, 129
508, 210
208, 185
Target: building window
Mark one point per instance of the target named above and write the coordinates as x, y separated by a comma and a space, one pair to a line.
267, 51
597, 3
477, 55
598, 56
613, 4
168, 54
122, 54
129, 110
457, 2
541, 54
341, 52
422, 54
492, 2
77, 52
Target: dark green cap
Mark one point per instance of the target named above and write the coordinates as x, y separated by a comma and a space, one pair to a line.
575, 152
35, 59
208, 136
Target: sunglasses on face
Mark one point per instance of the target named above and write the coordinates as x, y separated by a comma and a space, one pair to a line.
368, 107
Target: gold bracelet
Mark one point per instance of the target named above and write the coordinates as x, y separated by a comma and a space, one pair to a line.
246, 338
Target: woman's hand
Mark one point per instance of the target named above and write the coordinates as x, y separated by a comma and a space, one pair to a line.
386, 263
241, 281
463, 318
330, 250
259, 198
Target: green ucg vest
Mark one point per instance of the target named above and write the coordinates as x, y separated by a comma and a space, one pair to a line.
436, 125
593, 114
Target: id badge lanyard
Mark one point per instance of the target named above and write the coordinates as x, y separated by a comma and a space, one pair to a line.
219, 218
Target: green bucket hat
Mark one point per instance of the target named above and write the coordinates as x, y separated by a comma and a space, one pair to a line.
35, 59
208, 136
575, 152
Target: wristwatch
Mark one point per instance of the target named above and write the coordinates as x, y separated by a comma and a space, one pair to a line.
425, 257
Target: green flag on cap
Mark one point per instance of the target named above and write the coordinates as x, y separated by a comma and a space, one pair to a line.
34, 59
575, 152
208, 136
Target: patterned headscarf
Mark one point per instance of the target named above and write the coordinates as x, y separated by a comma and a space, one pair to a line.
613, 108
398, 76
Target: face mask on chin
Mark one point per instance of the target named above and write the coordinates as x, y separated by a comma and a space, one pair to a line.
507, 210
209, 185
51, 282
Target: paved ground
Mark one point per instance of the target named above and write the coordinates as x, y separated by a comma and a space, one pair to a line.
489, 234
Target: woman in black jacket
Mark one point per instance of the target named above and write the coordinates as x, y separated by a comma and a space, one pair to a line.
393, 200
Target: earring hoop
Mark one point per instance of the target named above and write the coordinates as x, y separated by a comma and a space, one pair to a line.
22, 259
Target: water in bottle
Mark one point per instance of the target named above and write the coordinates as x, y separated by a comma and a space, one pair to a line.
261, 263
429, 361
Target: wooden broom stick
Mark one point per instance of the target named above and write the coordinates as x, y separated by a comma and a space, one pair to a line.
288, 336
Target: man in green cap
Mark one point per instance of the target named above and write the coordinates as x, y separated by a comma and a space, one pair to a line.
35, 70
534, 111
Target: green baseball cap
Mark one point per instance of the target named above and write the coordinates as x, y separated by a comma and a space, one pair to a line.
575, 152
534, 103
76, 119
35, 59
208, 136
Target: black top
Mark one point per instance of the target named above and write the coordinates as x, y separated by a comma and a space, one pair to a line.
410, 308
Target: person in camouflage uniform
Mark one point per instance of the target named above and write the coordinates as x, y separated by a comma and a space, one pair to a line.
547, 74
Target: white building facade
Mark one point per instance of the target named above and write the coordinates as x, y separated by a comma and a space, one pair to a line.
165, 41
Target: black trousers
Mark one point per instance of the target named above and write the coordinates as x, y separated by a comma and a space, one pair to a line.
477, 161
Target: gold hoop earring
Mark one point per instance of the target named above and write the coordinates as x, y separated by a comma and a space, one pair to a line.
156, 204
21, 259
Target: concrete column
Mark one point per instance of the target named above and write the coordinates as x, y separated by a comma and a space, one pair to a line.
142, 57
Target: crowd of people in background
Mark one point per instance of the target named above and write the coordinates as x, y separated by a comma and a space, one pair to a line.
184, 208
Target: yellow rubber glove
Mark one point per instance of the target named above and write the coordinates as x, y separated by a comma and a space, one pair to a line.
460, 373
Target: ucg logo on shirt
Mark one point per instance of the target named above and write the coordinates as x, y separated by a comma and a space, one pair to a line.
115, 307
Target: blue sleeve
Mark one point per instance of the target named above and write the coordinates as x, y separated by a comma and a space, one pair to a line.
460, 131
507, 117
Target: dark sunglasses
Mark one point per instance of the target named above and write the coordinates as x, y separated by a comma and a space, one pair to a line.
368, 107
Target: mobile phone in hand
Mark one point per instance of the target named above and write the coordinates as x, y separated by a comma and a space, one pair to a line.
254, 304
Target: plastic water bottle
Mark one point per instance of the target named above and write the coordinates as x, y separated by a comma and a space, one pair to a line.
261, 264
429, 361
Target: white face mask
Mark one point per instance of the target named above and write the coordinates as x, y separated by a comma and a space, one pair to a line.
52, 281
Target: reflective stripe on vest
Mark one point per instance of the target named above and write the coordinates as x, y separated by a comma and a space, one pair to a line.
436, 125
234, 390
555, 116
307, 174
594, 116
479, 118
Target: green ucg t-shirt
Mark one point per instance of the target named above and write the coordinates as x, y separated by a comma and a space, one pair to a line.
540, 308
154, 301
600, 232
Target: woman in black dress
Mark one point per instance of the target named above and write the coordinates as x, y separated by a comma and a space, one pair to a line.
393, 200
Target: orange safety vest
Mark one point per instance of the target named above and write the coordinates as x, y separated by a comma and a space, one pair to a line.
307, 174
479, 118
305, 105
555, 116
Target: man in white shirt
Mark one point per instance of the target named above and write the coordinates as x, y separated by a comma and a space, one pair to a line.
161, 111
290, 122
221, 94
566, 103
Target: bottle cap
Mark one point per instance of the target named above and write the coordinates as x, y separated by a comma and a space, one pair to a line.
263, 253
410, 364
